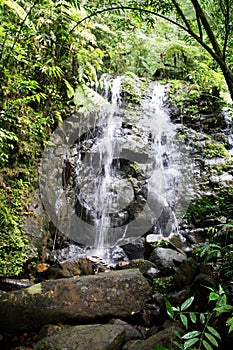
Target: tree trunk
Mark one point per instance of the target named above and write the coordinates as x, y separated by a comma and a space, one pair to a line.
228, 75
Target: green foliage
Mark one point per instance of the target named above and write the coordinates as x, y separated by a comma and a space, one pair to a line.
200, 329
212, 206
14, 250
163, 285
213, 149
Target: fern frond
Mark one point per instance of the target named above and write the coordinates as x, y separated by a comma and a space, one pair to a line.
19, 10
87, 100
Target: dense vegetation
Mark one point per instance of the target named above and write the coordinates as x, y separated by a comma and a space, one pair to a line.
52, 57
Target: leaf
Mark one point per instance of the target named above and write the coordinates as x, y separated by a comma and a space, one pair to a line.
42, 267
213, 296
178, 345
224, 308
211, 339
202, 318
190, 342
193, 317
214, 332
160, 348
169, 309
222, 300
184, 320
187, 303
230, 324
221, 291
207, 345
191, 335
70, 90
177, 334
175, 308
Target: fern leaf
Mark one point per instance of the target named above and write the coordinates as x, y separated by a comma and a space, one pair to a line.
19, 10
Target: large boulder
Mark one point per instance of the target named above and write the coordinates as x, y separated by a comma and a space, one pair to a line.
106, 295
85, 337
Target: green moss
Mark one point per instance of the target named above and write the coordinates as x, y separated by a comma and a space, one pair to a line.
213, 149
163, 284
14, 248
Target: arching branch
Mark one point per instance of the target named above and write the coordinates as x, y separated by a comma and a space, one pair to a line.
187, 30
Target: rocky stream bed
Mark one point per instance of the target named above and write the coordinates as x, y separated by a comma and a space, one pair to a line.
77, 307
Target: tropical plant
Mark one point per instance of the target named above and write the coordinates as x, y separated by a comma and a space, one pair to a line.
201, 332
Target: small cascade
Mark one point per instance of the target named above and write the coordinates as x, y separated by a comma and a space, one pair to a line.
165, 171
105, 197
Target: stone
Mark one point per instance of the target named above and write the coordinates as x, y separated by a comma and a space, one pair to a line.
84, 337
146, 267
163, 338
167, 259
186, 273
176, 240
152, 238
105, 295
70, 268
200, 288
130, 331
135, 249
71, 252
8, 284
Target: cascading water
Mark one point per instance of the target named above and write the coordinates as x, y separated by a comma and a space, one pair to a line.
124, 173
120, 206
105, 198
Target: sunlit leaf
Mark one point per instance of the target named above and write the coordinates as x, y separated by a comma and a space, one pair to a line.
191, 335
187, 303
213, 296
190, 342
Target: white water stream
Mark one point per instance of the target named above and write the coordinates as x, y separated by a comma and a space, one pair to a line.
159, 159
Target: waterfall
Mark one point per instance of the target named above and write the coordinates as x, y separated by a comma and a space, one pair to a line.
130, 173
134, 172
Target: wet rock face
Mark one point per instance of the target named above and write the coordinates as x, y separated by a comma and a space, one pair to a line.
87, 337
113, 294
167, 259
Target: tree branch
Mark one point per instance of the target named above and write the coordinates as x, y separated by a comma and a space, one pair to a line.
208, 29
199, 25
123, 8
181, 14
226, 15
214, 53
